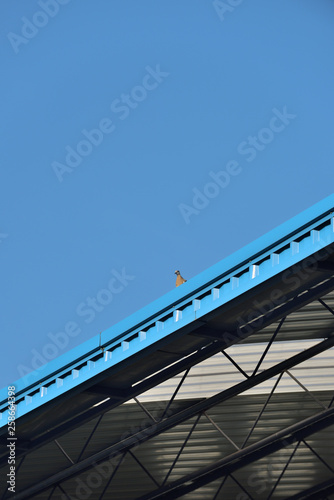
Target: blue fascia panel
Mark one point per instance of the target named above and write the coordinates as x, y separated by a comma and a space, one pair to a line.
315, 242
244, 257
319, 242
57, 365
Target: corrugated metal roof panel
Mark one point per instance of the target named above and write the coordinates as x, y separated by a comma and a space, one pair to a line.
205, 445
69, 444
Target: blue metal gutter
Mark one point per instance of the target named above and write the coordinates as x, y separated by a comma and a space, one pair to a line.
302, 236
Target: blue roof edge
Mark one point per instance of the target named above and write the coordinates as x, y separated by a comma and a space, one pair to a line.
175, 296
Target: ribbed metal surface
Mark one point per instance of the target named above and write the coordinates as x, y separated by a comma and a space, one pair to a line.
289, 404
121, 342
313, 321
225, 301
205, 446
217, 373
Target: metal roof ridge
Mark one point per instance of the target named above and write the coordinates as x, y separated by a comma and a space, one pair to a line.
174, 297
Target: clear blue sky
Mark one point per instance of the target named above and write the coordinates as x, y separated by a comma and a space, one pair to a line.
143, 137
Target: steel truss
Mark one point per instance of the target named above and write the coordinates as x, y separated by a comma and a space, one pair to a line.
169, 418
223, 340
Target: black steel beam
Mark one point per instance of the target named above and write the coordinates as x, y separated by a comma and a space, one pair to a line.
325, 488
285, 309
110, 392
176, 418
227, 465
326, 266
226, 339
96, 411
294, 304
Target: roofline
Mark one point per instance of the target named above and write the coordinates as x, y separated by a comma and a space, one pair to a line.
175, 297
